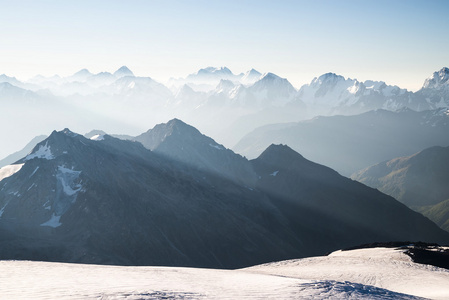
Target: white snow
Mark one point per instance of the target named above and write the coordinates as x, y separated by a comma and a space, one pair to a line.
97, 137
45, 280
274, 173
353, 89
385, 268
47, 205
131, 85
9, 170
35, 170
3, 209
53, 222
67, 177
31, 186
216, 147
43, 152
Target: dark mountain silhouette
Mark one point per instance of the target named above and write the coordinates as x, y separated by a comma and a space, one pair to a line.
319, 202
419, 181
112, 201
184, 143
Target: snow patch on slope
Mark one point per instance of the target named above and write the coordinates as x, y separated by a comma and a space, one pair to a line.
10, 170
97, 137
35, 170
216, 147
67, 179
43, 152
2, 210
67, 188
53, 222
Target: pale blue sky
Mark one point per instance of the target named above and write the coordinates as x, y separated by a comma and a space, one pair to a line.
400, 42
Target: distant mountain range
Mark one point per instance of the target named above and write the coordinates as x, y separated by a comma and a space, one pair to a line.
327, 94
106, 200
215, 100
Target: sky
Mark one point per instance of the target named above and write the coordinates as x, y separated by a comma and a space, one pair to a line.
399, 42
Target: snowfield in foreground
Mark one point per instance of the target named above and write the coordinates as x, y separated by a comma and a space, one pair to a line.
386, 268
378, 273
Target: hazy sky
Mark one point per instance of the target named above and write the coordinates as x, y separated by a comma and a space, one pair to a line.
400, 42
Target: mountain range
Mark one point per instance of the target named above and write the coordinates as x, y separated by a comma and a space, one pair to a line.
327, 94
351, 143
110, 201
215, 100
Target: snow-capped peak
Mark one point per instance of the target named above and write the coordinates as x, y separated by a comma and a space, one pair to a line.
10, 80
80, 76
250, 76
328, 78
270, 80
270, 76
437, 79
83, 72
213, 70
123, 71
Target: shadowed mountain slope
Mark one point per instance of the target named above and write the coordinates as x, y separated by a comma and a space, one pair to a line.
351, 143
419, 181
112, 201
181, 142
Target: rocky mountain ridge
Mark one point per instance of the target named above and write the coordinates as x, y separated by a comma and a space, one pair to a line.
110, 201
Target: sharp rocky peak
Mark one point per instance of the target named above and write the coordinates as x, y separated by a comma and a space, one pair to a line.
123, 71
62, 137
211, 70
83, 72
270, 76
178, 125
276, 152
254, 71
159, 133
271, 79
68, 132
328, 78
